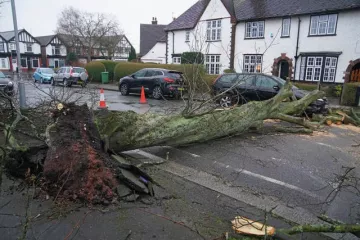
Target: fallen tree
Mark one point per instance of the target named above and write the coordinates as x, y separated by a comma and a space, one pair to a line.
129, 130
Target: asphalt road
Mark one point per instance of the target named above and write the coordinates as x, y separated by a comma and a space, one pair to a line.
38, 93
304, 174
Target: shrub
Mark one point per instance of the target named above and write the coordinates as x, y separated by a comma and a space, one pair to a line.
229, 71
71, 58
306, 86
192, 58
94, 70
110, 67
132, 55
349, 94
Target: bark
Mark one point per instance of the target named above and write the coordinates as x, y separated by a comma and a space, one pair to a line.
128, 130
321, 228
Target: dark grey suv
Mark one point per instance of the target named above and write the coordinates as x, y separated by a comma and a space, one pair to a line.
157, 82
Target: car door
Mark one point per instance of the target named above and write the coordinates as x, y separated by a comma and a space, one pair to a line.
150, 79
136, 82
245, 87
265, 87
60, 75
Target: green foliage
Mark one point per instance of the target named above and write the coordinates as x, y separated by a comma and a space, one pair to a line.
349, 94
132, 54
110, 67
192, 58
306, 86
94, 70
229, 71
71, 58
337, 90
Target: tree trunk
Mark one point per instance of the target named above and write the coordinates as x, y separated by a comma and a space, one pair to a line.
129, 130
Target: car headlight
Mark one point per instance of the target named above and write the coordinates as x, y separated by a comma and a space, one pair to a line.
321, 100
10, 84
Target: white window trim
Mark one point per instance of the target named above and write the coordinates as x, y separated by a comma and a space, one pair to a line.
254, 25
176, 60
27, 45
309, 66
252, 63
210, 29
3, 47
25, 63
283, 33
32, 62
318, 22
212, 64
3, 63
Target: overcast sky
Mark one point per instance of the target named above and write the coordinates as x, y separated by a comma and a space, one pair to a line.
39, 17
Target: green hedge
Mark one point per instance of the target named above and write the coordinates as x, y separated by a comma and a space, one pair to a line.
94, 70
110, 67
349, 94
306, 86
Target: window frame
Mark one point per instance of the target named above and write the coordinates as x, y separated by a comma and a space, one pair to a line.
3, 63
249, 64
26, 63
2, 44
212, 67
29, 46
210, 29
251, 30
317, 34
187, 36
32, 63
176, 60
282, 27
304, 68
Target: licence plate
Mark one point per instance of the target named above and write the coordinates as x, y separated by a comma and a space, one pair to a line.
181, 89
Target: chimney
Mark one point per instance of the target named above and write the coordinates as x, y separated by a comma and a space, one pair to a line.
154, 21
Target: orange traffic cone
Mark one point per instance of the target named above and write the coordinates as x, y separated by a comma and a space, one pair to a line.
142, 97
102, 104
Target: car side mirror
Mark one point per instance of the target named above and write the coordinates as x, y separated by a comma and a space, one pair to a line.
276, 88
133, 76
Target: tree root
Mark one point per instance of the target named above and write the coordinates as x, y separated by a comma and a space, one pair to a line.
293, 130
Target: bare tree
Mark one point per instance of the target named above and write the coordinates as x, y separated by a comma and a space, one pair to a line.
85, 28
110, 44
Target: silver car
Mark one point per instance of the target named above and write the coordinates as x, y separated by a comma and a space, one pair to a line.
69, 76
6, 85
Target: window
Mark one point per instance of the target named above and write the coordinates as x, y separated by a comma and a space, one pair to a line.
212, 64
35, 63
285, 32
323, 25
12, 46
252, 63
318, 68
330, 69
2, 47
140, 73
3, 63
265, 82
150, 73
28, 47
213, 31
56, 50
158, 73
187, 36
255, 29
23, 62
176, 60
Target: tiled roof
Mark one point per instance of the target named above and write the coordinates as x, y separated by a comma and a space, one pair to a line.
255, 9
9, 34
150, 34
45, 40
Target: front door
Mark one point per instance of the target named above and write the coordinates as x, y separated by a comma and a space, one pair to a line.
284, 70
56, 62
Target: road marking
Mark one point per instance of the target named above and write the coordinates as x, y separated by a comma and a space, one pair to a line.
268, 179
191, 154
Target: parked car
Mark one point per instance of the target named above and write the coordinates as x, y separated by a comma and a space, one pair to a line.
157, 82
243, 87
6, 85
69, 76
43, 75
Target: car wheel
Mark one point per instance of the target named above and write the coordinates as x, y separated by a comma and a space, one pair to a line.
34, 80
229, 100
124, 89
157, 93
52, 82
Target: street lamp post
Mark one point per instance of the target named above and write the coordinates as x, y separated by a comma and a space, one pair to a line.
21, 86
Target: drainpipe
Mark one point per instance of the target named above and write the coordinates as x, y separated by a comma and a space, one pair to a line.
297, 46
167, 45
232, 51
173, 51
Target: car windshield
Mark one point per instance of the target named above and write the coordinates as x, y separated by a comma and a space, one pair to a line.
2, 75
78, 70
174, 75
47, 70
281, 81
